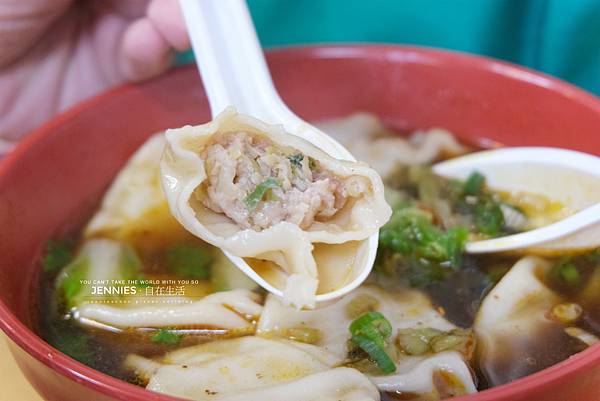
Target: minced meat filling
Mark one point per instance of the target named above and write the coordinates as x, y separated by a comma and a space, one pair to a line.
259, 184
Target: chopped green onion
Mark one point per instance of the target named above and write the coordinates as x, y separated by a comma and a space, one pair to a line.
71, 283
189, 261
254, 198
474, 183
565, 273
57, 255
489, 218
376, 352
166, 336
369, 323
370, 332
410, 231
454, 242
296, 160
569, 274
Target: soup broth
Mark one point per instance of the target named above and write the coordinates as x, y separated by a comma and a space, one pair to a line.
425, 299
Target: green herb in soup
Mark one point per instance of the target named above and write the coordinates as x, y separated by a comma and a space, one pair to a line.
189, 261
57, 254
421, 251
166, 336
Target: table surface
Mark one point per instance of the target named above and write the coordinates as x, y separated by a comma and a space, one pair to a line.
14, 386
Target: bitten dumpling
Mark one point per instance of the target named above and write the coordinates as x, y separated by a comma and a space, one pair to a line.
256, 191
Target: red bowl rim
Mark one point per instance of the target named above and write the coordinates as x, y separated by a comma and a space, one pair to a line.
63, 364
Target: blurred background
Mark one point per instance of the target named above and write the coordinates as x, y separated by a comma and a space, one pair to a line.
559, 37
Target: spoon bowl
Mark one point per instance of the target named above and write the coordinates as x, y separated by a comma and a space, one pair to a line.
570, 178
234, 73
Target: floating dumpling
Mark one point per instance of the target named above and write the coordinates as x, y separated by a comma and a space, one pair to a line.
365, 136
410, 314
524, 326
256, 191
253, 368
407, 309
134, 209
104, 263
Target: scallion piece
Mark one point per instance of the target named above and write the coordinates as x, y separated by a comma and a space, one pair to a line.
569, 273
57, 255
370, 332
166, 336
371, 322
254, 198
474, 184
376, 352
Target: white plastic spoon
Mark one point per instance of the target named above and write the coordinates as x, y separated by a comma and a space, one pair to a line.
234, 73
568, 177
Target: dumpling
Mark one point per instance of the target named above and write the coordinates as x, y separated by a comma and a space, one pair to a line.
428, 376
405, 310
135, 200
221, 310
365, 136
516, 334
103, 263
253, 368
258, 192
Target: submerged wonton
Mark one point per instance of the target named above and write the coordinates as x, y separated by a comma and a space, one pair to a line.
253, 368
256, 191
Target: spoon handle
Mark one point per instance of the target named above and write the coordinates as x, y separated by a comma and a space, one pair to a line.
231, 61
234, 71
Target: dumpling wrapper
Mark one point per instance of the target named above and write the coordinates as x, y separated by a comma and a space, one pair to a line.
284, 243
106, 260
365, 136
221, 310
134, 194
515, 337
405, 309
253, 368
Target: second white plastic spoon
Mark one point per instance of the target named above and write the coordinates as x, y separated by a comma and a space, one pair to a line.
568, 177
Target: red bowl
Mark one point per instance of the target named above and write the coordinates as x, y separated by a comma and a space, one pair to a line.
59, 173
